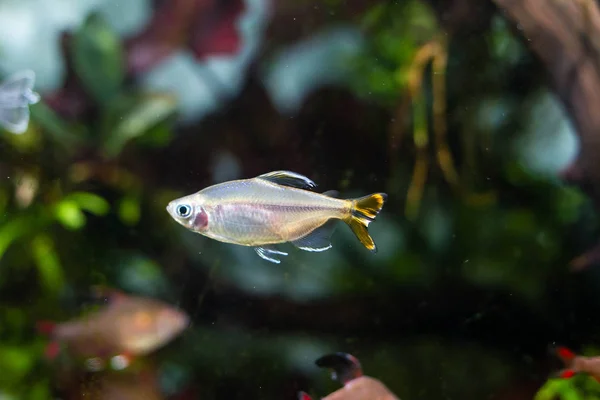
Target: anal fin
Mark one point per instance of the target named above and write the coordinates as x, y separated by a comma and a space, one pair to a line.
319, 239
288, 178
269, 253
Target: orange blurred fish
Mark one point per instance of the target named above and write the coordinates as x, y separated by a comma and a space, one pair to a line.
127, 326
275, 208
348, 371
575, 364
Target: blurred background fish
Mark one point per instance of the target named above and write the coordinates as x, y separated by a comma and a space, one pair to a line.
347, 370
275, 208
576, 364
127, 326
16, 94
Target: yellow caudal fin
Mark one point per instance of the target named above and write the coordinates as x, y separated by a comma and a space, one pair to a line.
364, 211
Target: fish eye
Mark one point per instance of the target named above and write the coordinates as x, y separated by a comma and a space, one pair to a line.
184, 210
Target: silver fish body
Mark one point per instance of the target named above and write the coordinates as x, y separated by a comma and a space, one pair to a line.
274, 208
257, 212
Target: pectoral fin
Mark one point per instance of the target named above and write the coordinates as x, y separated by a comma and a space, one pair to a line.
319, 239
269, 254
288, 178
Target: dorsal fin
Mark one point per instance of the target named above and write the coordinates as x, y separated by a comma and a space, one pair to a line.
345, 367
288, 178
332, 193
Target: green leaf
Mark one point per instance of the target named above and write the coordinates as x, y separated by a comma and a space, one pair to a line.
61, 132
129, 210
13, 230
98, 59
15, 363
27, 142
90, 202
131, 117
46, 259
561, 389
40, 391
374, 15
158, 136
68, 213
568, 205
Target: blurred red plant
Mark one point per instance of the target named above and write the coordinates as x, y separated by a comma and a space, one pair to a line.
204, 27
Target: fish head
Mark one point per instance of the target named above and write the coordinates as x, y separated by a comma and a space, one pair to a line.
190, 212
150, 325
169, 323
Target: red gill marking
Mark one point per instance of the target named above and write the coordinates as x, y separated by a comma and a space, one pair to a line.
200, 220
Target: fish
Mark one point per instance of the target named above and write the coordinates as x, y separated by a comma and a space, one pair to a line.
16, 95
576, 364
357, 386
274, 208
128, 326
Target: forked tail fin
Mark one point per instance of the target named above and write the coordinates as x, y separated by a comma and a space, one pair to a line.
364, 211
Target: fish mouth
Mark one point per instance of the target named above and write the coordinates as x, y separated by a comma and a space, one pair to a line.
169, 208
